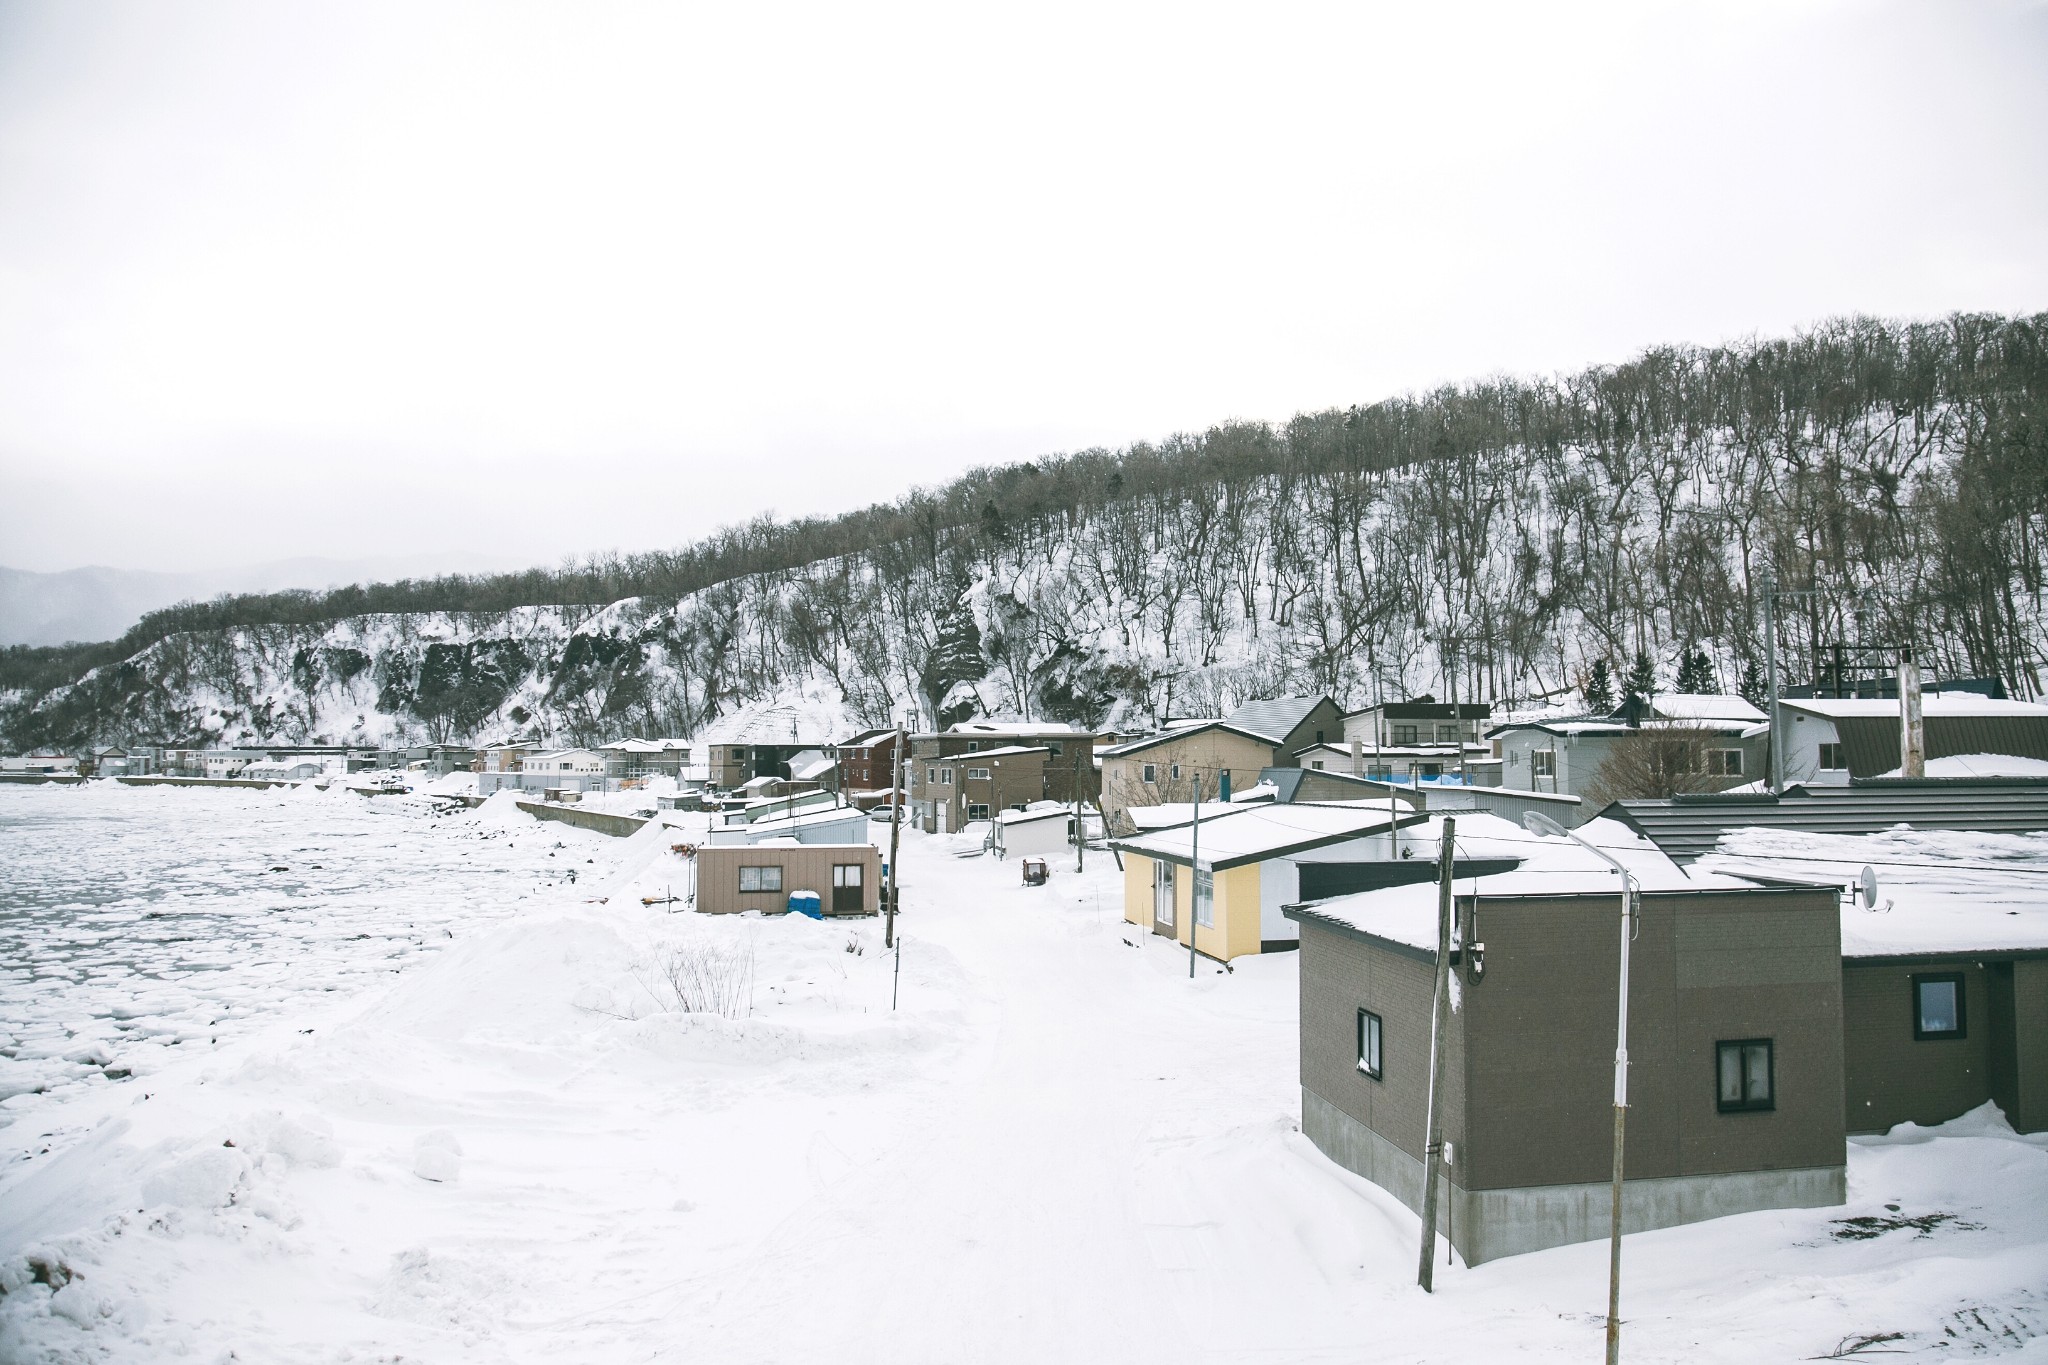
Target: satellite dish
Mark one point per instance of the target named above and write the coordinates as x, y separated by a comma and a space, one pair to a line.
1867, 883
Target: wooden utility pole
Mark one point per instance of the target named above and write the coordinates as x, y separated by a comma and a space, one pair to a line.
1080, 829
895, 830
1912, 727
1433, 1138
1195, 875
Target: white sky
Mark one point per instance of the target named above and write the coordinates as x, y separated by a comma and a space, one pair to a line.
541, 280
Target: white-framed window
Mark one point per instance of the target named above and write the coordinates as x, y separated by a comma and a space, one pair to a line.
977, 774
945, 777
1369, 1044
1724, 762
1205, 899
931, 774
760, 879
1543, 762
1176, 772
1831, 756
1150, 772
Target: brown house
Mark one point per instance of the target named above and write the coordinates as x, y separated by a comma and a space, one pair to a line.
1069, 757
1736, 1087
1929, 1036
949, 792
867, 763
846, 877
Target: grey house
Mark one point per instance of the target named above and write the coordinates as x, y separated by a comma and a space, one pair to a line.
1563, 756
1736, 1047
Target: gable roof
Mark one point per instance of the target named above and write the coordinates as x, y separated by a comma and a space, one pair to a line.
1168, 736
1276, 716
1705, 706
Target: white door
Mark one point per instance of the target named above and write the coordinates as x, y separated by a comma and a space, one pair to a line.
1162, 896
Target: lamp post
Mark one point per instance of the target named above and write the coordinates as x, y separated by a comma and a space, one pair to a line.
1540, 824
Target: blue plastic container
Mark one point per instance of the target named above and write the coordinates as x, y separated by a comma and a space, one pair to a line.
807, 903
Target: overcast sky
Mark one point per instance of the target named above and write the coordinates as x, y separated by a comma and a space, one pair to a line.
500, 279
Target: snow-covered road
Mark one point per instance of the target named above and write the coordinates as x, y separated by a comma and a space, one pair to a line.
1058, 1149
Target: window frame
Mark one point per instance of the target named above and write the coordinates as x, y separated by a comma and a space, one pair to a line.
1724, 763
1543, 762
977, 774
1404, 735
1204, 894
1148, 773
761, 879
1962, 1029
1378, 1033
1769, 1103
971, 816
1824, 752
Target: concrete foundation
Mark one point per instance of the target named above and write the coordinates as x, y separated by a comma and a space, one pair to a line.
1485, 1225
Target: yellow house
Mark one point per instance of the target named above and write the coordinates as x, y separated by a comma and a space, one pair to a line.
1229, 877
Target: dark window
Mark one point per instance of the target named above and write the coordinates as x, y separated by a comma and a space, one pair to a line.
1319, 736
1744, 1079
1938, 1006
1831, 756
1369, 1043
977, 812
1404, 734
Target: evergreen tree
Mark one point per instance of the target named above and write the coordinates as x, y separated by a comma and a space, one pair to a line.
1696, 672
1599, 688
1641, 682
1755, 690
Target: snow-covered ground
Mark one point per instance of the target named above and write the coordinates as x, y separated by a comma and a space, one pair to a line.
513, 1148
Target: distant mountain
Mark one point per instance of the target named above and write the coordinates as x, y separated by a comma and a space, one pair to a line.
97, 603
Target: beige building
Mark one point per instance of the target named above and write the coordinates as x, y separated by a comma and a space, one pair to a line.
847, 878
949, 792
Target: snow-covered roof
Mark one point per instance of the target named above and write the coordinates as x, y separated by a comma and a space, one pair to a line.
632, 746
1939, 891
1013, 727
1705, 706
1182, 732
1025, 817
804, 819
1576, 725
1548, 867
1007, 751
793, 720
1980, 765
1932, 704
1276, 716
1238, 835
810, 765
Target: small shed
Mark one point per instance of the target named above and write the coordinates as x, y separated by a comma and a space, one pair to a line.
738, 877
1032, 831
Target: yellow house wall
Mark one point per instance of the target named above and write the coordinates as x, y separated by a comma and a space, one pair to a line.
1236, 930
1137, 889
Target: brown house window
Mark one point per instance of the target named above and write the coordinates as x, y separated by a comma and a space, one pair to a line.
1744, 1076
760, 879
1369, 1043
1938, 1007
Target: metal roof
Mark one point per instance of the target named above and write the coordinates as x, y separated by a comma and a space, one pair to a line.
1277, 716
1686, 827
1870, 744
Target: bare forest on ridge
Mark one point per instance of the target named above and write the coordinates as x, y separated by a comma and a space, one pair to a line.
1509, 531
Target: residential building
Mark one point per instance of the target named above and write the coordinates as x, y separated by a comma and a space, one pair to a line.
629, 760
1686, 827
1234, 871
1226, 754
546, 770
1831, 740
1069, 753
949, 791
1736, 1088
1564, 756
47, 762
867, 764
846, 878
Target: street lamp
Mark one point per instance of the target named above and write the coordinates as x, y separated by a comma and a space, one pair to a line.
1536, 822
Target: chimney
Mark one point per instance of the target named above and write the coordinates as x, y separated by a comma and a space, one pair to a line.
1358, 758
1912, 729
